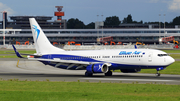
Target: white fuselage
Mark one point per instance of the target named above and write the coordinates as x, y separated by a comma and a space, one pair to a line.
96, 61
143, 58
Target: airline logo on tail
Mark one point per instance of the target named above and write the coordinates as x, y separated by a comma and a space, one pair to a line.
36, 31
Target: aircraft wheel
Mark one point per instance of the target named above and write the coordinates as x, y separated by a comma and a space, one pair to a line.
158, 74
109, 73
88, 74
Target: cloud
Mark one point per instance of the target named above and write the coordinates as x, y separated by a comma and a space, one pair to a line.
174, 5
3, 7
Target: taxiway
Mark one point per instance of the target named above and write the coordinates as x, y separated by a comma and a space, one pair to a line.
34, 70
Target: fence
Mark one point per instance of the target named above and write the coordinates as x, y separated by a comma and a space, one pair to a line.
94, 47
99, 47
17, 47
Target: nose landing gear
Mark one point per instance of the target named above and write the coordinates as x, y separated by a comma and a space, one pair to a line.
157, 74
159, 69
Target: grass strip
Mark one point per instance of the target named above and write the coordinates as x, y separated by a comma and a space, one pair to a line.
11, 53
172, 69
82, 91
175, 56
171, 51
20, 51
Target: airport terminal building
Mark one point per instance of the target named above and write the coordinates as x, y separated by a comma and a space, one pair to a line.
62, 36
18, 30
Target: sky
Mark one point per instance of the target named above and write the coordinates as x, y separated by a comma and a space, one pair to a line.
87, 10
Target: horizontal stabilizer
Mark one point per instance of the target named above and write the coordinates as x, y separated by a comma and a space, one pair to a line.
17, 53
20, 55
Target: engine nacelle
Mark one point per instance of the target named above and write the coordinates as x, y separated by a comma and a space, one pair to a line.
98, 68
130, 70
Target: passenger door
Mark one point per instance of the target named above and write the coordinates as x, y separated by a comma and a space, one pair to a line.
150, 56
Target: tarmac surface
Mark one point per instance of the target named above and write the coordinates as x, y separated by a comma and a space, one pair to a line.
34, 70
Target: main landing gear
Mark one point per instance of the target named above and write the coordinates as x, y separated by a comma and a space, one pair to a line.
109, 73
89, 74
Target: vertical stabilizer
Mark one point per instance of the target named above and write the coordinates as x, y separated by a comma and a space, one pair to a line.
42, 44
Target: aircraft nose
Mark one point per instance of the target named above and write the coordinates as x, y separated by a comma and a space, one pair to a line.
171, 60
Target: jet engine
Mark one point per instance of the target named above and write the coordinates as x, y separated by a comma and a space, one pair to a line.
98, 68
130, 70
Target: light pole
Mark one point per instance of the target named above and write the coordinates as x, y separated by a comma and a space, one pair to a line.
164, 27
3, 27
102, 27
159, 25
97, 26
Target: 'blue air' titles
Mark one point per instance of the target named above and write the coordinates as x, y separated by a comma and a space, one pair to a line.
130, 53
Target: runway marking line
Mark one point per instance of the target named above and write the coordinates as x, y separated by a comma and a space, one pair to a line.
126, 79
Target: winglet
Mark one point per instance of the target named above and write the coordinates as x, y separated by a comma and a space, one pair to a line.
135, 46
17, 53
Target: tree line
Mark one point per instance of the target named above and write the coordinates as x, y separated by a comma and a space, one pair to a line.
114, 21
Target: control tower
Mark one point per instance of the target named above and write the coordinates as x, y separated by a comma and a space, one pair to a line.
59, 14
4, 22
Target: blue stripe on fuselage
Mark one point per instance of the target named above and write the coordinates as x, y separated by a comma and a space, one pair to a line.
126, 66
86, 59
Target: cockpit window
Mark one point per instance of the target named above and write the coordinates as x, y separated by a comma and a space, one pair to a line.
163, 55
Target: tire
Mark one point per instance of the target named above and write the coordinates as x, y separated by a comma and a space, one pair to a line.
109, 73
88, 74
158, 74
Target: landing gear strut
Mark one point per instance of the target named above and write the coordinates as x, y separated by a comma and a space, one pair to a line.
109, 73
158, 74
159, 69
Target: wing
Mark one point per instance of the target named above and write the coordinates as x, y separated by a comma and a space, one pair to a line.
59, 62
56, 61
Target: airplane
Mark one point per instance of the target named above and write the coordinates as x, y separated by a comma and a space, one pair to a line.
95, 61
